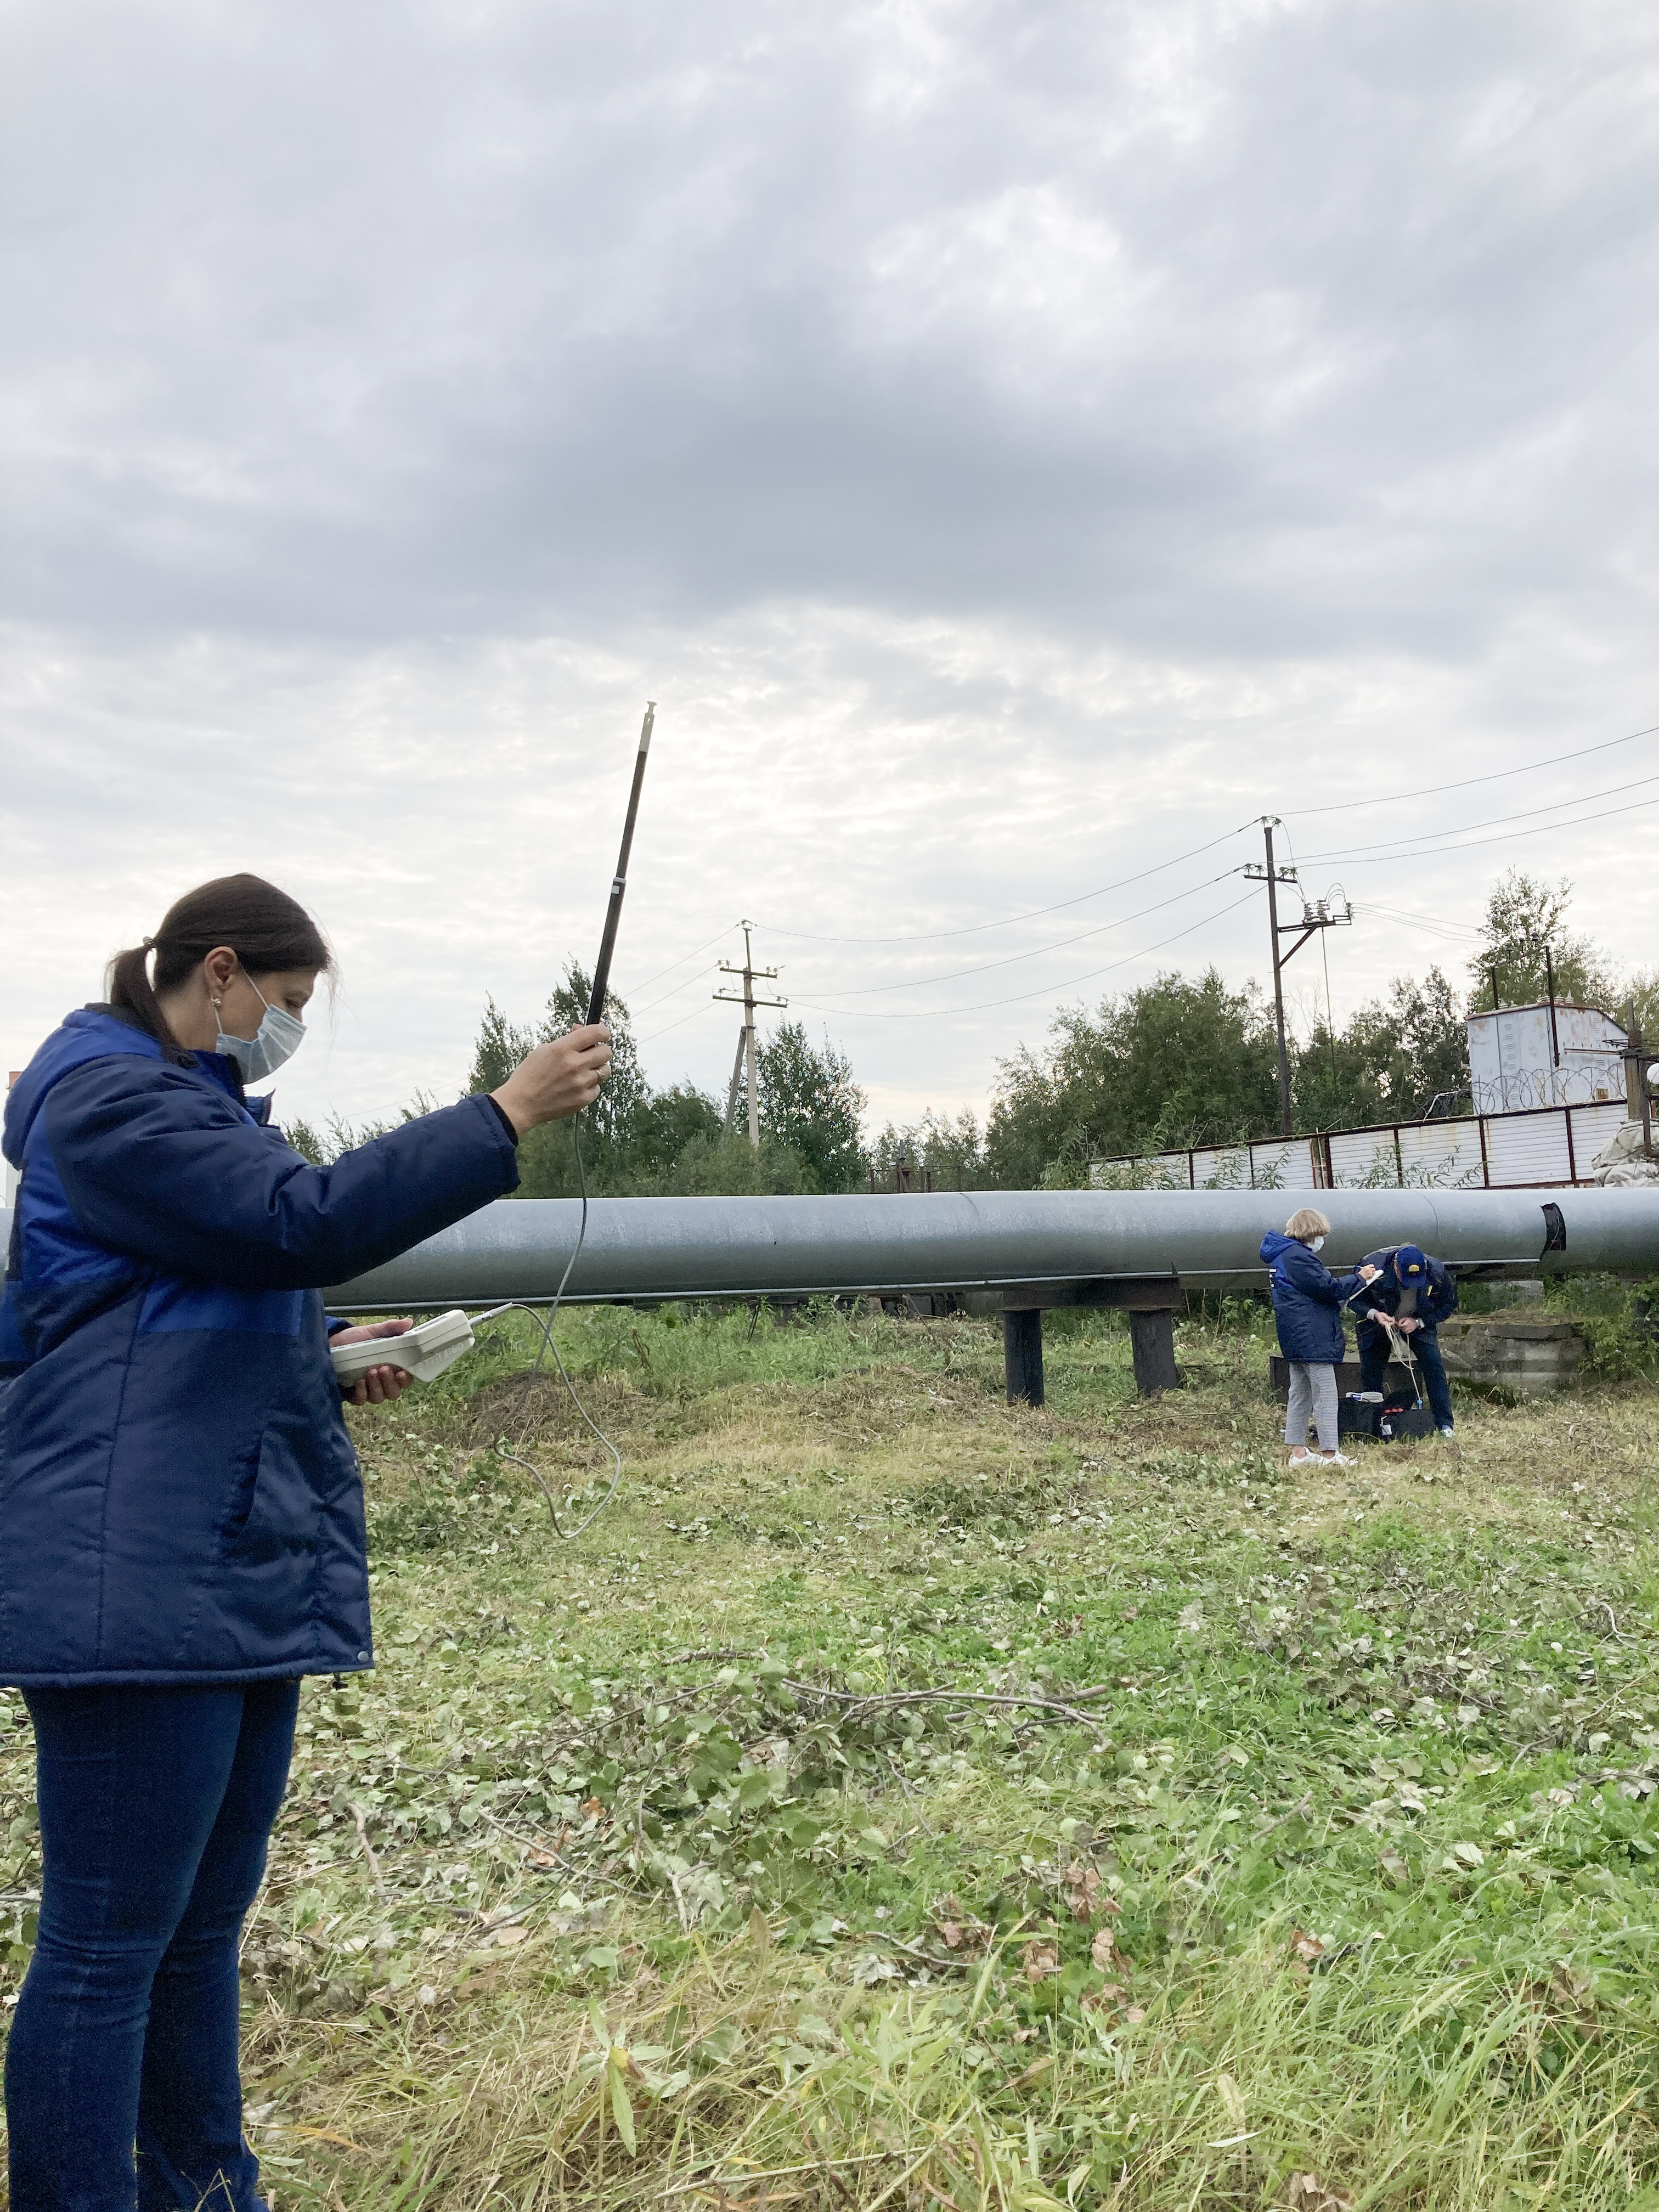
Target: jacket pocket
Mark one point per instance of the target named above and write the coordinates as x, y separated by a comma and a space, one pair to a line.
273, 1508
239, 1506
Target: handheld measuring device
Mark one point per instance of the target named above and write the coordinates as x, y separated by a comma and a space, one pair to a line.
423, 1352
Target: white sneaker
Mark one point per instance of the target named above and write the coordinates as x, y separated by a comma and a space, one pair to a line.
1336, 1459
1447, 1429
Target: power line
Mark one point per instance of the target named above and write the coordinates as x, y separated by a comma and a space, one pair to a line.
1433, 790
1379, 798
1438, 926
668, 1028
1493, 821
681, 962
1363, 857
978, 928
954, 974
981, 1005
709, 970
1393, 849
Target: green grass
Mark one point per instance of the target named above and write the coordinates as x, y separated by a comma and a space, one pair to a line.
924, 1802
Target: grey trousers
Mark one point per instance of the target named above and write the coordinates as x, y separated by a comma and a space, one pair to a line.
1313, 1394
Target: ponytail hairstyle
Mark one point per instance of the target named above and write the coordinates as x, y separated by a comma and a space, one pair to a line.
265, 928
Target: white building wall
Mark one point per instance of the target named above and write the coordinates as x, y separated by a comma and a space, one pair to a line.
1514, 1064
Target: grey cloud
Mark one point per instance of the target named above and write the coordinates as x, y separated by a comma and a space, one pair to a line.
1006, 435
1225, 330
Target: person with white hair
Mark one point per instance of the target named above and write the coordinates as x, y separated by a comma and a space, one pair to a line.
1307, 1302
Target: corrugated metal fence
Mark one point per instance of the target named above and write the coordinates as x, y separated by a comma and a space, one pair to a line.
1543, 1149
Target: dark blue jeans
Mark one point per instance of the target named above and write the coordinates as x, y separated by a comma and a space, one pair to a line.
155, 1805
1426, 1350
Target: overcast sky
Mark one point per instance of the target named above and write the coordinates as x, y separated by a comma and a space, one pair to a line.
1017, 445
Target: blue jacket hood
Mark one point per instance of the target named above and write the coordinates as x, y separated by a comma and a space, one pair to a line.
1273, 1243
89, 1033
92, 1033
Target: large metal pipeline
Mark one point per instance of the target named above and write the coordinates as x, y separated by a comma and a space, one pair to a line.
649, 1248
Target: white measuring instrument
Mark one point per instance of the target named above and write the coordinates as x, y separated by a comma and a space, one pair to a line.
423, 1352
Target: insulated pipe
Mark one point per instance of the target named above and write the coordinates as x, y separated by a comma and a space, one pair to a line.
649, 1248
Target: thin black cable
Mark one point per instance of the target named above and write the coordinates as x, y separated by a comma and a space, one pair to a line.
1493, 821
1380, 799
1012, 959
1441, 923
981, 1005
652, 1005
978, 928
1361, 857
1463, 783
545, 1323
668, 1027
683, 957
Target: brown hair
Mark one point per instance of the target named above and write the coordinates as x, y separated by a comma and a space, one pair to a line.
1307, 1221
265, 928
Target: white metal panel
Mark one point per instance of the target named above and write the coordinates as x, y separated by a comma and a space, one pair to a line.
1527, 1148
1162, 1171
1442, 1155
1286, 1163
1362, 1158
1593, 1127
1223, 1167
1522, 1057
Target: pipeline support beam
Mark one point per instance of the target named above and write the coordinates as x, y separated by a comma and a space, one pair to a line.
1151, 1339
1021, 1354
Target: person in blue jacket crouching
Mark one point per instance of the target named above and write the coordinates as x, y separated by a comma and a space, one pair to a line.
1415, 1293
181, 1514
1307, 1302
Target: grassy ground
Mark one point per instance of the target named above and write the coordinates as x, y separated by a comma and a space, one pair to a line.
899, 1799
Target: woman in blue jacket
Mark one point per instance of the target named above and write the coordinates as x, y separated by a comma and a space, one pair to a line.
181, 1516
1307, 1302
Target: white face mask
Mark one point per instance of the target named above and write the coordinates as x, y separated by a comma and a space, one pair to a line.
1317, 1244
278, 1038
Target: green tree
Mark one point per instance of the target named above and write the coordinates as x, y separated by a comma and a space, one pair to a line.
666, 1126
810, 1104
632, 1139
951, 1153
305, 1141
1177, 1062
721, 1166
499, 1049
1524, 915
1639, 1007
1388, 1064
610, 1129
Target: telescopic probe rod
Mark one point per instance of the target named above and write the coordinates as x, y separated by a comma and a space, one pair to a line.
619, 881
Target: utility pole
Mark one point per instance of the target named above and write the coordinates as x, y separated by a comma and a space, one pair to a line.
747, 1046
1555, 1041
1321, 913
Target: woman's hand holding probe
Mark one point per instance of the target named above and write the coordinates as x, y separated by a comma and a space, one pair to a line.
558, 1080
379, 1385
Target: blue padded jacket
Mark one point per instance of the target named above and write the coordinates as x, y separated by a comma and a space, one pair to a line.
179, 1501
1308, 1300
1437, 1300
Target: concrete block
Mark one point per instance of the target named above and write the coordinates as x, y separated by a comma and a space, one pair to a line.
1531, 1358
